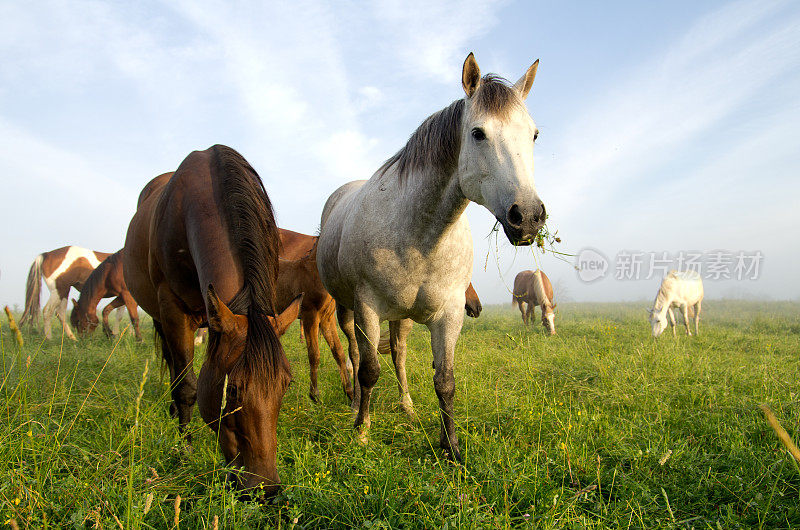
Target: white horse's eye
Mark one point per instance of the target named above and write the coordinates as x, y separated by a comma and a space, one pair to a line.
535, 134
478, 134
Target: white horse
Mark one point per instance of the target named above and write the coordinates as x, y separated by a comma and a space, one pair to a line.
683, 289
398, 246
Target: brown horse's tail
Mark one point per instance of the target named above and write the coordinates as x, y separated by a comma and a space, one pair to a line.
33, 288
383, 343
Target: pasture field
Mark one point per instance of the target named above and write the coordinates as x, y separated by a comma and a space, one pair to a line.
598, 427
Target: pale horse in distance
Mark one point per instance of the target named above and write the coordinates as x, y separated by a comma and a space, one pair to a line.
398, 246
682, 289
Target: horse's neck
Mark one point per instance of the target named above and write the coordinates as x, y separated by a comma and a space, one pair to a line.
430, 204
662, 302
93, 292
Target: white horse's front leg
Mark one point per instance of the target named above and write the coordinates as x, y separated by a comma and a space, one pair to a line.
368, 332
444, 334
671, 317
398, 333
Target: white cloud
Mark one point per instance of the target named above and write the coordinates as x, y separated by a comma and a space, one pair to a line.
431, 37
631, 130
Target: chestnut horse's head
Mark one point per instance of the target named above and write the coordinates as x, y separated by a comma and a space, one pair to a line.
80, 319
241, 387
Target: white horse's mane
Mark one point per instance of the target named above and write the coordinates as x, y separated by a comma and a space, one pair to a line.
437, 141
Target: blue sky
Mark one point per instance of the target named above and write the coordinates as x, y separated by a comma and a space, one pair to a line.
664, 126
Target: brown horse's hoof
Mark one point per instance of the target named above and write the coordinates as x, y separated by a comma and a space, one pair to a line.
314, 396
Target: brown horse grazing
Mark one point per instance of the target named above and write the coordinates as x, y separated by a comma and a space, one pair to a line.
298, 274
203, 248
61, 269
534, 288
105, 281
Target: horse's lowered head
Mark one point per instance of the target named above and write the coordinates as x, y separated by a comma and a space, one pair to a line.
658, 321
549, 319
495, 165
81, 320
241, 388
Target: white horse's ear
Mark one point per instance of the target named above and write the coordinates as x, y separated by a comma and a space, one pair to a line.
525, 82
470, 75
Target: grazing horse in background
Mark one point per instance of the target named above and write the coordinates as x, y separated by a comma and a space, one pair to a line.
61, 269
683, 289
298, 274
202, 249
398, 246
534, 289
105, 281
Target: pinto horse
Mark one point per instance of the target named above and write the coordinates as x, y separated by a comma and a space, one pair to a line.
531, 289
202, 249
61, 269
105, 281
398, 246
298, 274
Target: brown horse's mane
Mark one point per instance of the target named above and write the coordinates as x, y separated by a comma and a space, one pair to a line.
254, 236
95, 282
437, 141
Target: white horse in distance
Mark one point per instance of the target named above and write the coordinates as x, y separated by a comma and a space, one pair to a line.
682, 289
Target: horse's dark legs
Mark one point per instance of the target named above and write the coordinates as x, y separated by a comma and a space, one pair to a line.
398, 333
444, 333
133, 313
327, 324
115, 303
178, 334
530, 313
310, 321
347, 323
368, 332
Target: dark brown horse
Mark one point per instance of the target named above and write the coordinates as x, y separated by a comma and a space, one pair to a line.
534, 288
298, 274
202, 249
105, 281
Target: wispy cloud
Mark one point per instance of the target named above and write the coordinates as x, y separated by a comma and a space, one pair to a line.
720, 64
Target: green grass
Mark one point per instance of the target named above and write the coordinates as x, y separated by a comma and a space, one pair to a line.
571, 431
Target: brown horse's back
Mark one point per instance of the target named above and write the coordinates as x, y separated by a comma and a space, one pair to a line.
548, 287
295, 245
525, 288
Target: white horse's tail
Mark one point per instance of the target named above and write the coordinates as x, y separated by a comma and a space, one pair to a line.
538, 288
32, 291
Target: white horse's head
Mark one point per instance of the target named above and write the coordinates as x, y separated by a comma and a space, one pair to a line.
658, 322
495, 164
